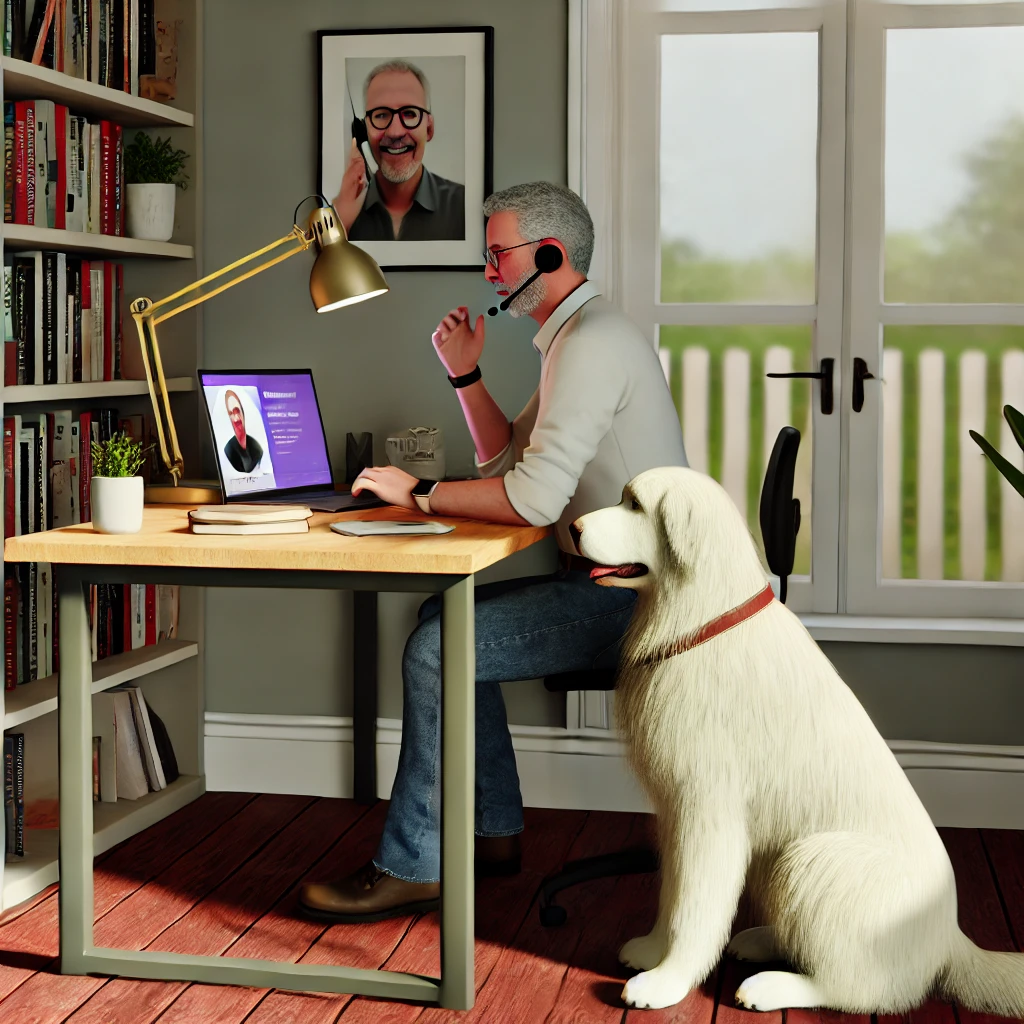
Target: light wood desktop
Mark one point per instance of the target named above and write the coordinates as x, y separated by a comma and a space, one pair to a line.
165, 551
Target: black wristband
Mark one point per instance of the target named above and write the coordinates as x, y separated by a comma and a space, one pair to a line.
467, 378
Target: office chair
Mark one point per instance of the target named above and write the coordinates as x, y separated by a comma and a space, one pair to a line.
779, 516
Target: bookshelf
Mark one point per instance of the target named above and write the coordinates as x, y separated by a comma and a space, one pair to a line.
170, 672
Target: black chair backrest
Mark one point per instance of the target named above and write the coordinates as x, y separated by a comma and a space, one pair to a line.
780, 511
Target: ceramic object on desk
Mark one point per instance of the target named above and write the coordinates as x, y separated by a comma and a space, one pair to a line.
150, 211
117, 504
419, 451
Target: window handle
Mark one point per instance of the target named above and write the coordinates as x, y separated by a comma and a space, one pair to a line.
825, 376
860, 374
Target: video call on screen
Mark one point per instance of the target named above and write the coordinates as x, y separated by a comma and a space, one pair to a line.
267, 432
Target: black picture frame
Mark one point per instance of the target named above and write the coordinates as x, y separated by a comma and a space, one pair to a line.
441, 49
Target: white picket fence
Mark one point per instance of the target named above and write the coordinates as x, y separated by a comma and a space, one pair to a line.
928, 437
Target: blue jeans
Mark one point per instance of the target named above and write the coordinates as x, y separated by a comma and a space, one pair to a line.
525, 629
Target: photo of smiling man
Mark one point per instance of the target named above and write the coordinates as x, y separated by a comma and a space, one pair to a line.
403, 200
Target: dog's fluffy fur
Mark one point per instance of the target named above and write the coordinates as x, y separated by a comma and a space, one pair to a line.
765, 770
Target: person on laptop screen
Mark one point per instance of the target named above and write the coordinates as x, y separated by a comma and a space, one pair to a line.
242, 451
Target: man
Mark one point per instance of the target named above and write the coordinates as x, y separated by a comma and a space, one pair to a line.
602, 414
242, 451
404, 202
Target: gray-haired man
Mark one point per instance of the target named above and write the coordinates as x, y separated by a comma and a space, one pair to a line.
403, 201
601, 414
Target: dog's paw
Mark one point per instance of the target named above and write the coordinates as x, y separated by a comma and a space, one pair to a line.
757, 945
777, 990
643, 953
654, 989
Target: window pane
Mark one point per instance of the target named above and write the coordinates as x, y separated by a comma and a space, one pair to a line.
731, 412
738, 179
947, 513
954, 164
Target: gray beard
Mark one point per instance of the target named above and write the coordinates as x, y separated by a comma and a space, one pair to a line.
529, 298
396, 177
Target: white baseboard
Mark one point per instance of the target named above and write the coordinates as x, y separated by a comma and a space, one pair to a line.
961, 786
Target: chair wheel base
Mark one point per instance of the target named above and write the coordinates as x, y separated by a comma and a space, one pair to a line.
553, 916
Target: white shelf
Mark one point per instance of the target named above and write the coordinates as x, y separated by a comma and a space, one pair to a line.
30, 236
24, 80
39, 697
87, 389
112, 824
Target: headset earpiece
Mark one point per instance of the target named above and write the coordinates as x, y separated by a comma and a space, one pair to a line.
548, 258
359, 131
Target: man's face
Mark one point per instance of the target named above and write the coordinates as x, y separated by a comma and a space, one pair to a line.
398, 150
237, 419
514, 266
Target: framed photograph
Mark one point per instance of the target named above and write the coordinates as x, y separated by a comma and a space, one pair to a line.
406, 141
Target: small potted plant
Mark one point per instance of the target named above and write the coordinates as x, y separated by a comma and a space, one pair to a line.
152, 171
117, 493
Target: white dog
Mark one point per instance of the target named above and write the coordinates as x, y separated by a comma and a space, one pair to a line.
764, 768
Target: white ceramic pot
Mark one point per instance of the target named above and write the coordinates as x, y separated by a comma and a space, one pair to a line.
150, 211
117, 504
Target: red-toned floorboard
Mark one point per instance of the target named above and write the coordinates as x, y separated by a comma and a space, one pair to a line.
220, 877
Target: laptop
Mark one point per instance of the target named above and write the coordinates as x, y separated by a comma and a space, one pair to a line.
268, 436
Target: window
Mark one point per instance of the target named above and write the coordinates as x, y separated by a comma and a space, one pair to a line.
760, 231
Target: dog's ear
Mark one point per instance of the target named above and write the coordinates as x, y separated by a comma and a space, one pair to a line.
676, 518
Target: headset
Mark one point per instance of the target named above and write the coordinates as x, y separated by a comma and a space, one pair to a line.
547, 259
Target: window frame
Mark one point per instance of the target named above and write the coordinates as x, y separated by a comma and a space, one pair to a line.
639, 210
865, 591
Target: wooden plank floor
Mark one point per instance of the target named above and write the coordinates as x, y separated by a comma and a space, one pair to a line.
219, 877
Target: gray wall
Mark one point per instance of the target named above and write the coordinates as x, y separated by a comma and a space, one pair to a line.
374, 365
287, 652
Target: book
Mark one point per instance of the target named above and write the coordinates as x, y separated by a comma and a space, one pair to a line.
147, 739
297, 526
249, 513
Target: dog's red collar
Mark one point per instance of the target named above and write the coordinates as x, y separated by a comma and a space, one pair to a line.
714, 627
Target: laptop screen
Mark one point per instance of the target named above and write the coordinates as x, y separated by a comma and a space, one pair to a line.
266, 430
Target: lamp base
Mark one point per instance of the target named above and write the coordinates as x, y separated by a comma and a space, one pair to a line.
188, 492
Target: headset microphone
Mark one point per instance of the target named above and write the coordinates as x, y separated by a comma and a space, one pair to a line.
547, 260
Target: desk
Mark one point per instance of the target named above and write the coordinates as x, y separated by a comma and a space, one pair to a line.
165, 551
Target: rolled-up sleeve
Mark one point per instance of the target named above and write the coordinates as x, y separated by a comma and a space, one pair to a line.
584, 385
521, 426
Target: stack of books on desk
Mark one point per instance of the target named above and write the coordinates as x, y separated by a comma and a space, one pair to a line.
229, 519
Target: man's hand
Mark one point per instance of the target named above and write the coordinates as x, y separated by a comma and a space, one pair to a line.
458, 345
389, 483
351, 195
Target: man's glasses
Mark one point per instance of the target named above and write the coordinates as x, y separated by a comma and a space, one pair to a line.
491, 255
381, 117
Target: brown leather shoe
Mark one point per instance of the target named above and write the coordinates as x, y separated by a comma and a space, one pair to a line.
367, 895
498, 855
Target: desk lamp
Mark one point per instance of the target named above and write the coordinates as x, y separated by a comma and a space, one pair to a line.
342, 275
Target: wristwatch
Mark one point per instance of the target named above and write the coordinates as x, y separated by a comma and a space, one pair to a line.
421, 494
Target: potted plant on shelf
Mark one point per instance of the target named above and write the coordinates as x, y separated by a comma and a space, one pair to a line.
152, 171
117, 493
1013, 475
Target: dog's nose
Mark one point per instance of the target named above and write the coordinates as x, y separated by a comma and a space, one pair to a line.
575, 533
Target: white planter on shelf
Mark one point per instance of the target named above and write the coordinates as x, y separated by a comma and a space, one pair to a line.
117, 504
150, 211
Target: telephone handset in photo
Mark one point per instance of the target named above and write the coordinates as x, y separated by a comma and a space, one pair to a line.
359, 134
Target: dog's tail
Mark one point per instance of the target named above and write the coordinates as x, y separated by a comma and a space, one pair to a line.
984, 981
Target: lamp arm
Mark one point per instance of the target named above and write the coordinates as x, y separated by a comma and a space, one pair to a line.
147, 314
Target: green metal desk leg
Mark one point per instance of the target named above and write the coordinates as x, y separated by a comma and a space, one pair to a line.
458, 783
74, 725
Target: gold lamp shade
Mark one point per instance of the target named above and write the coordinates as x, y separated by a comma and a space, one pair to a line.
343, 273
